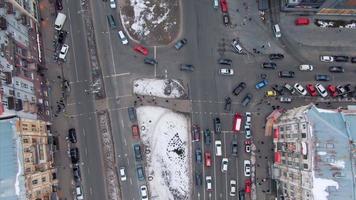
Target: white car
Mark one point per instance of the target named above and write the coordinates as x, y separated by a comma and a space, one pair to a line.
218, 149
306, 67
144, 192
63, 52
79, 193
248, 118
112, 4
300, 89
237, 47
322, 91
326, 59
122, 37
232, 188
226, 71
209, 183
247, 131
247, 167
123, 174
224, 164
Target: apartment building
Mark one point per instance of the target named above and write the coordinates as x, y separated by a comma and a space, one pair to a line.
26, 160
314, 154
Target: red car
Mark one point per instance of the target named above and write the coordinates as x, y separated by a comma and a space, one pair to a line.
248, 186
237, 122
223, 4
207, 159
302, 21
332, 90
248, 146
135, 131
311, 90
141, 49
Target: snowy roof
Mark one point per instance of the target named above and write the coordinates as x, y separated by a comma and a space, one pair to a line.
12, 183
333, 169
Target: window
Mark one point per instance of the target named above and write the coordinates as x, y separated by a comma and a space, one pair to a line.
43, 179
25, 140
304, 135
329, 145
305, 157
31, 88
18, 94
33, 99
305, 166
17, 83
34, 182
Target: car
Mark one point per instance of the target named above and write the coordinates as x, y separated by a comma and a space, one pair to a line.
224, 165
239, 88
341, 58
187, 67
248, 186
141, 49
112, 4
223, 5
233, 189
227, 105
132, 114
286, 74
207, 136
336, 69
63, 52
322, 77
79, 192
226, 71
341, 90
276, 56
122, 37
137, 152
123, 174
198, 178
225, 61
248, 118
246, 100
76, 173
326, 58
306, 67
284, 99
144, 192
289, 88
261, 84
226, 19
140, 173
217, 125
269, 65
271, 93
278, 89
353, 59
72, 135
247, 131
111, 21
237, 120
348, 89
196, 132
242, 195
207, 158
332, 90
234, 149
247, 146
198, 156
74, 155
300, 89
209, 183
59, 5
218, 148
180, 43
62, 35
236, 46
301, 21
247, 168
135, 131
311, 90
150, 61
322, 91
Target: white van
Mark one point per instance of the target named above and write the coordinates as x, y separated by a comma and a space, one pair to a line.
218, 148
277, 31
58, 24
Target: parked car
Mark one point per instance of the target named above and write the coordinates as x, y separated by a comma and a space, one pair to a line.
186, 67
207, 136
196, 132
289, 88
226, 19
247, 131
217, 125
132, 114
226, 71
79, 192
59, 5
76, 173
341, 90
248, 118
123, 176
112, 4
269, 65
239, 88
223, 5
271, 93
336, 69
225, 61
135, 131
322, 91
322, 77
286, 74
180, 43
63, 52
227, 105
332, 90
140, 173
122, 37
326, 59
247, 168
348, 89
198, 178
72, 135
341, 58
207, 159
278, 89
301, 21
353, 59
209, 183
62, 35
233, 186
311, 90
144, 192
198, 156
141, 49
150, 61
284, 99
74, 155
261, 84
306, 67
246, 100
248, 186
276, 56
234, 149
137, 152
218, 148
236, 46
300, 89
247, 146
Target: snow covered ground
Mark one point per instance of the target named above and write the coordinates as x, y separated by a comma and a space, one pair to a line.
165, 133
166, 88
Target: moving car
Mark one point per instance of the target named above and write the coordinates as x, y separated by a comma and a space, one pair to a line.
277, 31
261, 84
233, 189
247, 146
132, 114
141, 49
209, 183
236, 46
225, 61
301, 21
140, 173
322, 77
112, 4
286, 74
227, 105
207, 136
224, 164
196, 132
289, 88
72, 135
218, 148
300, 89
284, 99
246, 100
276, 56
111, 21
187, 67
326, 59
248, 118
306, 67
217, 125
198, 156
239, 88
226, 71
207, 159
341, 58
144, 192
135, 131
269, 65
336, 69
122, 37
137, 151
247, 168
247, 131
226, 19
63, 52
223, 4
322, 91
237, 122
332, 90
180, 43
150, 61
123, 174
311, 90
198, 178
234, 149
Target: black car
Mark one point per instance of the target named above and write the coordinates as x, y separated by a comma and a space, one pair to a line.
226, 19
140, 173
62, 36
336, 69
207, 136
276, 56
347, 88
234, 149
150, 61
225, 61
241, 195
72, 135
59, 5
186, 67
137, 151
227, 106
180, 43
286, 74
322, 77
198, 156
239, 88
198, 178
76, 173
217, 125
269, 65
341, 58
246, 100
74, 155
353, 59
278, 89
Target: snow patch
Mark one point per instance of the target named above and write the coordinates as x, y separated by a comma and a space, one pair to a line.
322, 153
166, 88
320, 186
340, 164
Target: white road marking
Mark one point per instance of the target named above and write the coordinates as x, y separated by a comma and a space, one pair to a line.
91, 191
122, 123
84, 132
130, 181
73, 46
86, 151
112, 52
154, 56
125, 142
117, 75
